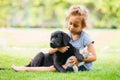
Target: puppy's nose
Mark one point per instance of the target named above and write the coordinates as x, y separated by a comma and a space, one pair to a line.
52, 45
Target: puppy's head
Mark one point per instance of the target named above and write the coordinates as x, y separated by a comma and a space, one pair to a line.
59, 39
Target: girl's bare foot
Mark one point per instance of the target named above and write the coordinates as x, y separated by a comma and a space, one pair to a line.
16, 68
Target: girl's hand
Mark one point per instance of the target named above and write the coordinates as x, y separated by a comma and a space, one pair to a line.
63, 49
73, 60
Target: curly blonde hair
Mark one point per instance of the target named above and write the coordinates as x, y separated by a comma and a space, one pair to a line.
77, 10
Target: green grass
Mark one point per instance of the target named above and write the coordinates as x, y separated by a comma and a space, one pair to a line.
18, 52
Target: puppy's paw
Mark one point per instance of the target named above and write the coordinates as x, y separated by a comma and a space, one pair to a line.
75, 68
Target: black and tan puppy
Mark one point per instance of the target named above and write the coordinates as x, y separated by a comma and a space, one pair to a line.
58, 39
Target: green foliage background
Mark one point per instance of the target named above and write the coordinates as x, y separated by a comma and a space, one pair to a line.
34, 13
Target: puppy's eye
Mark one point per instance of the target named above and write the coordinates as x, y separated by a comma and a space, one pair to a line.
56, 36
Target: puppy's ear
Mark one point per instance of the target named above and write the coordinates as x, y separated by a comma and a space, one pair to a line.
66, 39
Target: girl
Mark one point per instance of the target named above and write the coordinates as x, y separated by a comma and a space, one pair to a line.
76, 21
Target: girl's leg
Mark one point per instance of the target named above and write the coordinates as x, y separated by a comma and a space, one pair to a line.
33, 69
82, 68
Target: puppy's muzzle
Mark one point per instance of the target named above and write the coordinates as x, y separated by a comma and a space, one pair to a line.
54, 43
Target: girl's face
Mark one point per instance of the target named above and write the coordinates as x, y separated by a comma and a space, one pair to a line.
75, 24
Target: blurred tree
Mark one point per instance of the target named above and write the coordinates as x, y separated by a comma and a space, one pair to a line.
33, 13
4, 18
108, 13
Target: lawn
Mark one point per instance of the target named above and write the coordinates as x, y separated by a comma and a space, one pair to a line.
18, 46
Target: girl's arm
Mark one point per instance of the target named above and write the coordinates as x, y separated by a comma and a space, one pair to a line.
93, 56
60, 49
53, 50
90, 58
